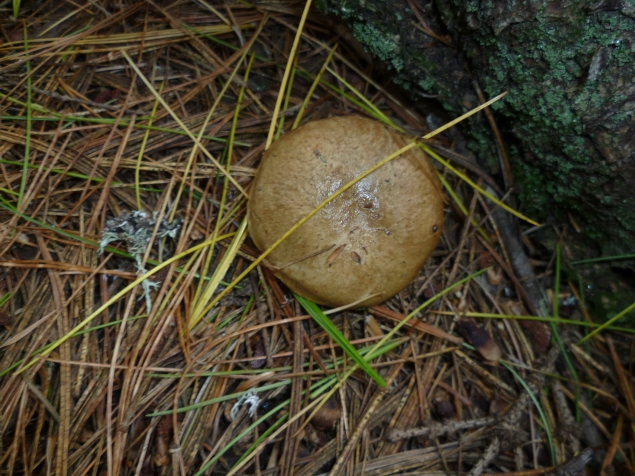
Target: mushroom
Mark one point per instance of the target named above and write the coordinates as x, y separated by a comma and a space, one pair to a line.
328, 414
367, 244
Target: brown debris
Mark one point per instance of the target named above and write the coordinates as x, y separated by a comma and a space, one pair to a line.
327, 416
333, 256
480, 339
5, 319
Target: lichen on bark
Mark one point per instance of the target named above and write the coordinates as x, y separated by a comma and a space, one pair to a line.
569, 68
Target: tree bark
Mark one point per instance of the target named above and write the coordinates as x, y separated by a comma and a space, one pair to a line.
569, 67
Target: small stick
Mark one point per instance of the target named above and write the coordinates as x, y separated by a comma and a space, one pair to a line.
435, 430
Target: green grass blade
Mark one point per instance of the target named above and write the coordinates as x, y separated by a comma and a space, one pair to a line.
608, 323
5, 298
27, 142
487, 315
314, 84
543, 417
604, 258
224, 398
325, 323
556, 335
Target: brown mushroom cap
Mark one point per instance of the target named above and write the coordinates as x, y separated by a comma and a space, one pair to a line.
374, 238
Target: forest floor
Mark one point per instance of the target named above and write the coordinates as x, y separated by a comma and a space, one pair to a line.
126, 123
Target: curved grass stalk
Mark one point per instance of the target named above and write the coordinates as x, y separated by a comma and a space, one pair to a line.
144, 141
543, 417
316, 81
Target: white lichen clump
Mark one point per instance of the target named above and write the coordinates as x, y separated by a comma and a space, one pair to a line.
136, 230
248, 398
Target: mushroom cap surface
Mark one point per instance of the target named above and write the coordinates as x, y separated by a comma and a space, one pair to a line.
370, 241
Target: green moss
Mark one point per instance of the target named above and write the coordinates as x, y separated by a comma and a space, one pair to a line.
605, 291
426, 84
379, 43
541, 110
551, 95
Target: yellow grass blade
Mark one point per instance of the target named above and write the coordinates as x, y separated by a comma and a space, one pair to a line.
460, 204
180, 123
285, 77
219, 273
316, 81
479, 189
607, 323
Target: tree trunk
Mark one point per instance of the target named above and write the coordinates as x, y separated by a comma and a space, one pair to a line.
569, 68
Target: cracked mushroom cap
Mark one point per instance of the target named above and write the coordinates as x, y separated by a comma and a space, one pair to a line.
369, 242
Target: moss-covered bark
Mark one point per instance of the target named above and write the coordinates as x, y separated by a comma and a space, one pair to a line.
569, 67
